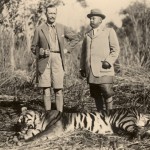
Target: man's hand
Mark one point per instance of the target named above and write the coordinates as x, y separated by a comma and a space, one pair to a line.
105, 65
46, 52
41, 52
83, 74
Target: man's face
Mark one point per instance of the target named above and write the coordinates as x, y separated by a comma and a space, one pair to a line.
51, 15
95, 21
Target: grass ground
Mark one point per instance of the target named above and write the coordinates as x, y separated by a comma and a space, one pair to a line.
131, 89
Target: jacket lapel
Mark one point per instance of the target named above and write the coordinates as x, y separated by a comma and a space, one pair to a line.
59, 34
58, 30
45, 31
90, 34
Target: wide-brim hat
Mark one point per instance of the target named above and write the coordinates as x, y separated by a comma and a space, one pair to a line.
96, 12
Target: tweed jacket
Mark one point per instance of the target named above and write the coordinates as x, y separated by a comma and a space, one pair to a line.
97, 48
41, 39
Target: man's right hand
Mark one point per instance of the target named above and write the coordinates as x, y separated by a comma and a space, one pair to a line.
46, 52
83, 74
42, 51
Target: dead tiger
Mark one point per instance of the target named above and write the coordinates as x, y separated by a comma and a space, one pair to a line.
46, 125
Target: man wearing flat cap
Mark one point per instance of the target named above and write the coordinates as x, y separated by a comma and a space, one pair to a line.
99, 52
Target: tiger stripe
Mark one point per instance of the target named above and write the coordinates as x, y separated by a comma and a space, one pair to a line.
119, 121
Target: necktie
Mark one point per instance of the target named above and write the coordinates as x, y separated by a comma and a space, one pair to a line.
93, 32
53, 33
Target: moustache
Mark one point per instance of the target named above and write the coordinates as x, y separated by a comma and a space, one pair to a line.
52, 18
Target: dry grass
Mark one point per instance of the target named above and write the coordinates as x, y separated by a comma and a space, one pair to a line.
132, 88
84, 140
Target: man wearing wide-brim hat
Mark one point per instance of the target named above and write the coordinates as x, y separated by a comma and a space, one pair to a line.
99, 52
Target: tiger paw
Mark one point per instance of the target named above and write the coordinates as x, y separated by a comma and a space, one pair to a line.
13, 140
19, 143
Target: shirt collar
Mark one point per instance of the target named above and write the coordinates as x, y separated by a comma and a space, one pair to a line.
51, 25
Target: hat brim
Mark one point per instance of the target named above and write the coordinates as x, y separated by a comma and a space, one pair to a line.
100, 15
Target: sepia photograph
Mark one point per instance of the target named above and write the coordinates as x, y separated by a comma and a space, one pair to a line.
74, 75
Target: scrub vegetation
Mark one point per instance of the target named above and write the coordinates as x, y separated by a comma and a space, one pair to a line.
17, 75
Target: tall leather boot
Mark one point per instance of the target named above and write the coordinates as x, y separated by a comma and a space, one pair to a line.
59, 99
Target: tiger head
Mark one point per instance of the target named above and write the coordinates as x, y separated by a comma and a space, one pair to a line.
28, 119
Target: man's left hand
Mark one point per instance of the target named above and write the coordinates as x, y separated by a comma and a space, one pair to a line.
83, 73
105, 65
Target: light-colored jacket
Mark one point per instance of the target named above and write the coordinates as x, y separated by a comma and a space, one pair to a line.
41, 39
95, 49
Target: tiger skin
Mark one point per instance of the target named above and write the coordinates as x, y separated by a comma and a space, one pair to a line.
50, 124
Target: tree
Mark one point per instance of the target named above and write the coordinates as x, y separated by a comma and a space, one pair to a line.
83, 3
20, 19
136, 27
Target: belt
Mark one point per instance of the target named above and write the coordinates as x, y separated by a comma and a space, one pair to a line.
54, 51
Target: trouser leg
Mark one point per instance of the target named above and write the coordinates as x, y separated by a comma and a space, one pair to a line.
47, 98
99, 102
59, 99
97, 95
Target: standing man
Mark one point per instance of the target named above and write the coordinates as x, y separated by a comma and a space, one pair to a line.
99, 52
48, 44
